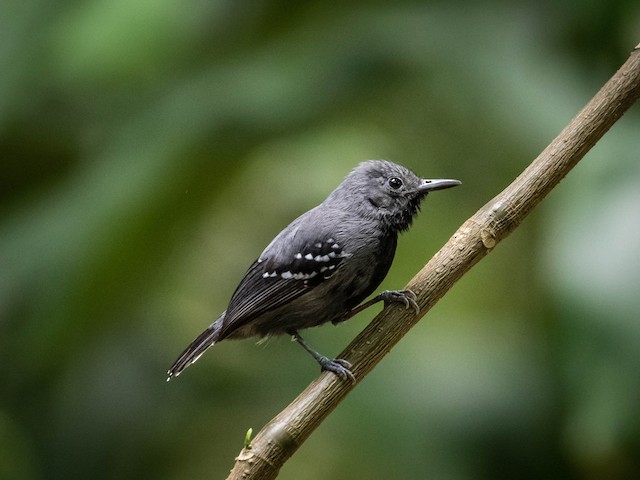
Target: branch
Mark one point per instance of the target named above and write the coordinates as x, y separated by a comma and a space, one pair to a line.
282, 436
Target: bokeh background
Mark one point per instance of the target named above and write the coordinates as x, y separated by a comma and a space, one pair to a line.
150, 149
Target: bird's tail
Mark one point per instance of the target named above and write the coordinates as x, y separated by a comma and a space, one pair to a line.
194, 351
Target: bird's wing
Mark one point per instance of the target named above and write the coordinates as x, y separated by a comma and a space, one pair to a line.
292, 265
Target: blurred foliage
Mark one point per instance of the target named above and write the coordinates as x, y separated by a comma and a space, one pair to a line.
151, 148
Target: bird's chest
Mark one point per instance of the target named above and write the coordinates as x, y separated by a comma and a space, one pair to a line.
366, 266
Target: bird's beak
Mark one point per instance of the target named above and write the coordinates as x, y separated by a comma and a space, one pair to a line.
427, 186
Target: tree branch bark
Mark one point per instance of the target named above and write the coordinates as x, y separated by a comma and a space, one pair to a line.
282, 436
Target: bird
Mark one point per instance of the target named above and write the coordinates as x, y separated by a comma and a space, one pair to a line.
324, 264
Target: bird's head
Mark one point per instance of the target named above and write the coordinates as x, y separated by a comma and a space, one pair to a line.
385, 191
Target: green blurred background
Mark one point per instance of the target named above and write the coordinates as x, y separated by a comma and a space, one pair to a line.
150, 149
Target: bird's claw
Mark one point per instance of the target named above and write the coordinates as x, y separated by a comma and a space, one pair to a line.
406, 297
340, 367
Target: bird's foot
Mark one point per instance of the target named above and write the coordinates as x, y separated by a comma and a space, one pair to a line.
406, 297
338, 366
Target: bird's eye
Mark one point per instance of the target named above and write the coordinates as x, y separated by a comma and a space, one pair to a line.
395, 182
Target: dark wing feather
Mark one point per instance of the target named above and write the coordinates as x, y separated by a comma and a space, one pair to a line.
287, 269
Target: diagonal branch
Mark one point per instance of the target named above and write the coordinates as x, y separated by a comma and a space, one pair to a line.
282, 436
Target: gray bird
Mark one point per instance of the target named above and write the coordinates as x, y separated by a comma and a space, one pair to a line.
326, 262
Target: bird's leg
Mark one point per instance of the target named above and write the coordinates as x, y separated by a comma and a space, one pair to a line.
338, 366
407, 297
